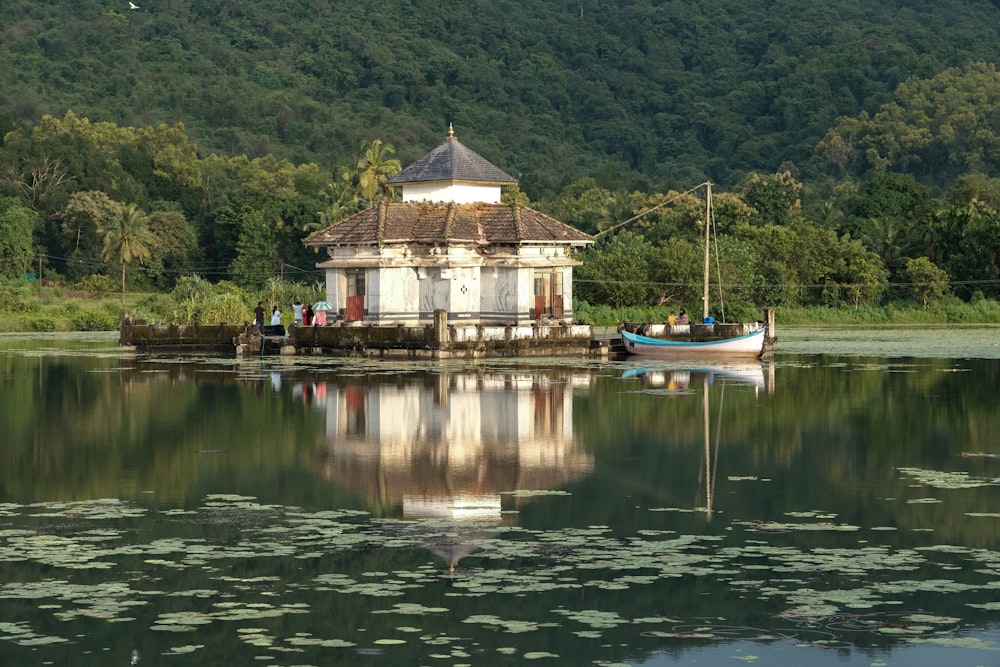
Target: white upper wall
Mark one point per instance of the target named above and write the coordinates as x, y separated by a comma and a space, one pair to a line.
446, 191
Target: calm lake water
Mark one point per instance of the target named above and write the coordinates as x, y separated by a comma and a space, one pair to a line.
839, 506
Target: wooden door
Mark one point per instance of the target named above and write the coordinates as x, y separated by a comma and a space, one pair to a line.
355, 308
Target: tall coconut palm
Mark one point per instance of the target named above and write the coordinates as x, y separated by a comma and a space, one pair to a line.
375, 168
126, 238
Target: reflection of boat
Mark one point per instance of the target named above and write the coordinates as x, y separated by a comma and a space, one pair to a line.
759, 374
684, 381
706, 339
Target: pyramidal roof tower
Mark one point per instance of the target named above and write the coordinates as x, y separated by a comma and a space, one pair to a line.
452, 173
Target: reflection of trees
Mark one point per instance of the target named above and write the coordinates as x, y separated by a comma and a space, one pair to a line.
830, 437
115, 427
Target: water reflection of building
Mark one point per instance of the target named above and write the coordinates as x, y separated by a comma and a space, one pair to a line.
449, 446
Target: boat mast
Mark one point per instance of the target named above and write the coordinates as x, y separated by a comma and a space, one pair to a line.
708, 229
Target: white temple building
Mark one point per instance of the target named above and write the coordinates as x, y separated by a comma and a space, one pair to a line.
451, 245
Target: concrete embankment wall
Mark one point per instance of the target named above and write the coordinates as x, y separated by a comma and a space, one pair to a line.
179, 336
436, 341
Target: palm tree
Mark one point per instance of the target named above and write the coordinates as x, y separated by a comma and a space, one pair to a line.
375, 168
890, 238
126, 238
342, 193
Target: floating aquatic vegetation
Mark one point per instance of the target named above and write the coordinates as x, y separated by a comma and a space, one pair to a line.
592, 617
94, 510
812, 514
956, 642
19, 633
784, 527
530, 493
412, 609
947, 480
672, 509
510, 626
184, 621
810, 587
989, 606
187, 648
299, 641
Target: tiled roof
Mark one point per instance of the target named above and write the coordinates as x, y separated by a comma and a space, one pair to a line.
451, 161
422, 222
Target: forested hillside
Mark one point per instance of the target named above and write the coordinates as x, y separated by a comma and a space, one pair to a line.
853, 145
630, 91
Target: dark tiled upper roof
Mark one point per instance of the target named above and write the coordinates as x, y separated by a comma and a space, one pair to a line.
451, 161
484, 224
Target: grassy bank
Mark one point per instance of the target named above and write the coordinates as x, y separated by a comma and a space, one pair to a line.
25, 308
945, 311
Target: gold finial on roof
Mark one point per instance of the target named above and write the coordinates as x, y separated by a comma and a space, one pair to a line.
451, 131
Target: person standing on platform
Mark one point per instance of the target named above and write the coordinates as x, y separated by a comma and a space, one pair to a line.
297, 312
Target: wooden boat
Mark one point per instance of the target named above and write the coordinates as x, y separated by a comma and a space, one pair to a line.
708, 338
749, 345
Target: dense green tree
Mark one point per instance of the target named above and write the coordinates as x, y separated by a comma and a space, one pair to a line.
173, 246
583, 204
940, 126
17, 234
977, 259
83, 219
869, 278
890, 196
925, 281
256, 250
678, 272
659, 91
774, 199
606, 114
616, 271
